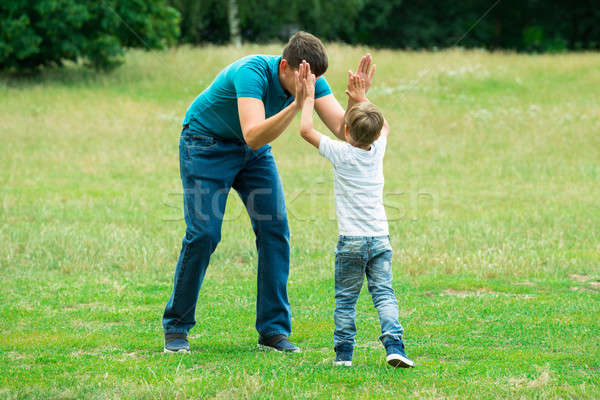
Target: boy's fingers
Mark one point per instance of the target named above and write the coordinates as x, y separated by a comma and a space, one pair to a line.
372, 72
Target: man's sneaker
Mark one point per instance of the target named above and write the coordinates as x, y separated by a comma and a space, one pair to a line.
396, 356
279, 343
176, 343
343, 355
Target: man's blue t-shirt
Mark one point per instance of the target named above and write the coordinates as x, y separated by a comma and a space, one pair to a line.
215, 112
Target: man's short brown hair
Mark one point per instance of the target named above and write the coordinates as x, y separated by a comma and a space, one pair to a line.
364, 122
304, 46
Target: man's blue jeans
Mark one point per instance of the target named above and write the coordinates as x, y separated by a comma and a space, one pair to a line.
210, 167
355, 257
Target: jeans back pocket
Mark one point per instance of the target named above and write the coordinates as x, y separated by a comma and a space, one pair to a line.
197, 145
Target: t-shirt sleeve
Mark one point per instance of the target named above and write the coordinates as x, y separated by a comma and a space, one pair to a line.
249, 82
322, 87
333, 150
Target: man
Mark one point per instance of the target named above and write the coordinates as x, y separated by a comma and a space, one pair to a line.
224, 145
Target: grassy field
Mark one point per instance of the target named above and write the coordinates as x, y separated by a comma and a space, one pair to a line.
493, 195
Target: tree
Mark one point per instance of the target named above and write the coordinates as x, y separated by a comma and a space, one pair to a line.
234, 24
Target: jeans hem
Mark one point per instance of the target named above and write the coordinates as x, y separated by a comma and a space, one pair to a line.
387, 338
274, 333
166, 332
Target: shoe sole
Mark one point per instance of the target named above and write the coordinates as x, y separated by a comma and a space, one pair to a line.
182, 351
263, 347
397, 361
342, 363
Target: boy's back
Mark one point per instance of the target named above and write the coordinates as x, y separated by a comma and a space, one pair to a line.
358, 186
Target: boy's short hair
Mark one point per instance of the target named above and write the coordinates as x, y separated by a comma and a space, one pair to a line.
304, 46
364, 121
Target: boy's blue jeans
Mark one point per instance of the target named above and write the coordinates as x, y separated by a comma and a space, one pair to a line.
355, 257
210, 167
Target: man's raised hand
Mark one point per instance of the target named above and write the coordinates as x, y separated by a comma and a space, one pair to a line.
365, 71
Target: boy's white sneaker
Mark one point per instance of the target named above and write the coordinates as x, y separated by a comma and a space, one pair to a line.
396, 356
343, 355
342, 363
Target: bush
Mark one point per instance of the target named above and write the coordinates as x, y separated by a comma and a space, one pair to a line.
36, 33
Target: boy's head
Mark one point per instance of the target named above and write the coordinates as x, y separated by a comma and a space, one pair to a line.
364, 122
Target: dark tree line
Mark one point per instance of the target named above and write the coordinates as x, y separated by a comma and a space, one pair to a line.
35, 33
522, 25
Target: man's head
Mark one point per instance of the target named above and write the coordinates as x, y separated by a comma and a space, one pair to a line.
364, 122
302, 46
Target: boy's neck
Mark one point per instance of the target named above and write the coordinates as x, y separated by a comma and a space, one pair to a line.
366, 147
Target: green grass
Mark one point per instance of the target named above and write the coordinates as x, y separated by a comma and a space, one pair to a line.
492, 188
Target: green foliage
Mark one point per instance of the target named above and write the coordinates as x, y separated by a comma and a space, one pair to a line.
49, 32
525, 25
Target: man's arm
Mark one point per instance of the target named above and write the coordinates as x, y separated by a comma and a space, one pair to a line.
332, 114
329, 109
258, 130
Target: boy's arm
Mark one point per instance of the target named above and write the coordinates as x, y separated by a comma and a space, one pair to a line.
306, 120
306, 124
386, 128
329, 109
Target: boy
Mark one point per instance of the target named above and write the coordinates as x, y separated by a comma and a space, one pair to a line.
363, 247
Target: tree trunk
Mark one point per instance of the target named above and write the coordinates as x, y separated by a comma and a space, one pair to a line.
234, 24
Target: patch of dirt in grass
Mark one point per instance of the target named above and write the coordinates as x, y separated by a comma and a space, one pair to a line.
468, 293
13, 355
427, 394
543, 379
81, 353
582, 289
525, 283
130, 356
540, 381
580, 277
595, 284
517, 381
462, 294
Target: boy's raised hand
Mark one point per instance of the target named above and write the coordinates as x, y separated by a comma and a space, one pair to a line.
309, 86
365, 70
301, 75
357, 88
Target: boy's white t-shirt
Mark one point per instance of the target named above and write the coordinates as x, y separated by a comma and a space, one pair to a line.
358, 186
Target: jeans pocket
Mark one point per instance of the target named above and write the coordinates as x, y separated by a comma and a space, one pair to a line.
199, 145
348, 270
350, 247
